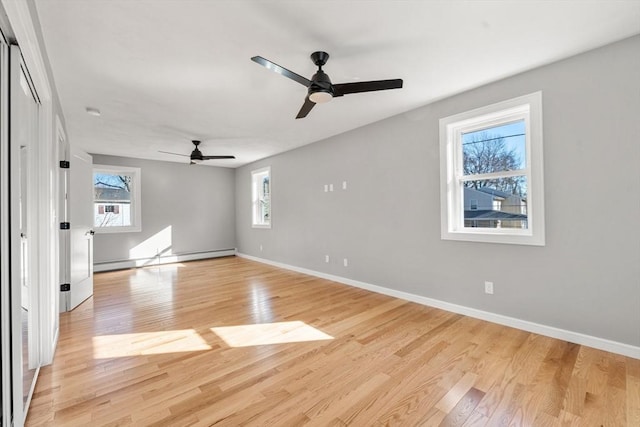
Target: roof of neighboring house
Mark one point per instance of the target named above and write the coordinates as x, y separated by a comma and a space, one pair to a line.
495, 192
491, 214
103, 194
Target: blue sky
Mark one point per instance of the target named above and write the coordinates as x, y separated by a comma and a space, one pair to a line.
516, 143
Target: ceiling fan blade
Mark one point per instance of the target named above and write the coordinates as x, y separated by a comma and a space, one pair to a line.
306, 107
175, 154
281, 70
357, 87
217, 157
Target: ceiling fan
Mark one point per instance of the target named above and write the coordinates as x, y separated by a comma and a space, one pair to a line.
320, 88
196, 155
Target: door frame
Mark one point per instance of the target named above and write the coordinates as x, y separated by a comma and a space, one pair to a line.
61, 150
5, 279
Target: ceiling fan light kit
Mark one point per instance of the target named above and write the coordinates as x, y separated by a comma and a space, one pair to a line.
320, 89
320, 97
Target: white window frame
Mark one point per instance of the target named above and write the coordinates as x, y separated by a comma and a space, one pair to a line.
136, 209
255, 199
527, 108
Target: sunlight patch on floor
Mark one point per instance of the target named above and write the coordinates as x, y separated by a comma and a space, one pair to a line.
269, 333
146, 343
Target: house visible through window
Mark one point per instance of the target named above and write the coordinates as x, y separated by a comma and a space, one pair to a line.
261, 197
491, 173
116, 192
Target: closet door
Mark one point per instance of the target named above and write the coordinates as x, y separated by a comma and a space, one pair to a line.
23, 145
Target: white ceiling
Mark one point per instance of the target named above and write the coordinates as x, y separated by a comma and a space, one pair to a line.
164, 72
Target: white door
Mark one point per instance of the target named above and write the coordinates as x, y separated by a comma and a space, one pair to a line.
23, 144
81, 232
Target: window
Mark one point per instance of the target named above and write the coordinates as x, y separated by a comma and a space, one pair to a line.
116, 199
491, 183
261, 197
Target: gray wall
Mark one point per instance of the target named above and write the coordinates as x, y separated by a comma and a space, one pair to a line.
387, 223
196, 201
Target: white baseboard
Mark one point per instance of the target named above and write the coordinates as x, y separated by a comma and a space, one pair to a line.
162, 259
525, 325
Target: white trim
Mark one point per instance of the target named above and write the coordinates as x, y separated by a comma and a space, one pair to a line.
27, 404
527, 108
525, 325
24, 31
60, 136
5, 280
163, 259
261, 225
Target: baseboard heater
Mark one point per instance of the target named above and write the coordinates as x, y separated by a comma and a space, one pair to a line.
160, 260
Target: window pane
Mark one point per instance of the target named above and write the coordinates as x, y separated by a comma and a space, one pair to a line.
261, 196
112, 199
496, 149
496, 203
265, 203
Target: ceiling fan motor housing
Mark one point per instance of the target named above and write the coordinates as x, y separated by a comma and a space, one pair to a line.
196, 154
321, 89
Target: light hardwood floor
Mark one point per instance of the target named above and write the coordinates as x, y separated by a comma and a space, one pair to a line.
156, 346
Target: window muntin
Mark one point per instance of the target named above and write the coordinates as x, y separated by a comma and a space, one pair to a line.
116, 199
491, 173
261, 198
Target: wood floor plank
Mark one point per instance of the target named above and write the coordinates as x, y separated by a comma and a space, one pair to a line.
463, 410
453, 396
633, 391
149, 349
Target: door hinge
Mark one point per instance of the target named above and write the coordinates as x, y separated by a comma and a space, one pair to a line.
65, 287
65, 226
64, 164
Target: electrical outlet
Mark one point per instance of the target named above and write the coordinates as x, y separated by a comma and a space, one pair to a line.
326, 258
260, 248
346, 262
488, 288
344, 185
326, 188
330, 187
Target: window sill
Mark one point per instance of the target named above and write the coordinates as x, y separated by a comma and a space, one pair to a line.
261, 226
110, 230
523, 238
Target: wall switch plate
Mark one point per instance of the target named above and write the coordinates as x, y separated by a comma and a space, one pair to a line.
326, 188
326, 258
488, 288
330, 187
260, 248
344, 185
346, 262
